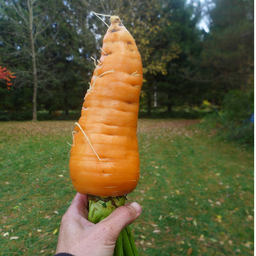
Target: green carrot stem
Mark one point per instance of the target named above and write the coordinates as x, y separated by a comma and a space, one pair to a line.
119, 246
127, 247
101, 208
131, 239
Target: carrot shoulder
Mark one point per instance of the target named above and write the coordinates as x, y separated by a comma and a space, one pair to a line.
104, 158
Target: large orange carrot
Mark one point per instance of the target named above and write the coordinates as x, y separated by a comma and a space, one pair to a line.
104, 160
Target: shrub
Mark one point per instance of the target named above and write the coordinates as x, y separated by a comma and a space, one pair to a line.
234, 121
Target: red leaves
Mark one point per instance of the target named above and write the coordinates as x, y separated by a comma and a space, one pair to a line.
7, 75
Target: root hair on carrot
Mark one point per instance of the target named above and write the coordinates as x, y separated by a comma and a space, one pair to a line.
94, 60
91, 85
110, 71
88, 140
71, 145
103, 51
104, 15
69, 153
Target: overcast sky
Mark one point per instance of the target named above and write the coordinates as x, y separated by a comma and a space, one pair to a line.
204, 23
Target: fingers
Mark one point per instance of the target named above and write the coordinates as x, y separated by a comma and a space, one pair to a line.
79, 205
122, 217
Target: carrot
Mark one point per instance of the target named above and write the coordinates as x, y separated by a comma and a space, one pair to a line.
104, 159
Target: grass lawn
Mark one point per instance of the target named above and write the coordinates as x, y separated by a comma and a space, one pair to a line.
196, 192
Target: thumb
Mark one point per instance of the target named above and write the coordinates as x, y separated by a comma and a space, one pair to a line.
121, 217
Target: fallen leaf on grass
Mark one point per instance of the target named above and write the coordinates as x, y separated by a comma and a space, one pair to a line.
55, 231
236, 209
6, 234
160, 217
189, 218
14, 238
201, 238
219, 218
56, 212
157, 231
249, 218
190, 250
248, 244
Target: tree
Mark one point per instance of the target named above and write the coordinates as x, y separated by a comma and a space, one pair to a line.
227, 56
27, 21
173, 87
146, 21
71, 59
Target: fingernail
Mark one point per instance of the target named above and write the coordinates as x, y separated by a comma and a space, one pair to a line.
136, 206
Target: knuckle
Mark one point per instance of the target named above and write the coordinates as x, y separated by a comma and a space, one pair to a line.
128, 211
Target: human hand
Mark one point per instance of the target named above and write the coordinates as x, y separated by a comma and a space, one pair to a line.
80, 237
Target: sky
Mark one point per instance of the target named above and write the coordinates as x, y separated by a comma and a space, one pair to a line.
204, 23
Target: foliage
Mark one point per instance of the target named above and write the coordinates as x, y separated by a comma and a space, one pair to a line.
196, 192
238, 106
61, 53
183, 65
234, 122
7, 75
175, 89
227, 56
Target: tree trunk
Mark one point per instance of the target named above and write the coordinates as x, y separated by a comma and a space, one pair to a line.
169, 104
66, 106
33, 55
149, 100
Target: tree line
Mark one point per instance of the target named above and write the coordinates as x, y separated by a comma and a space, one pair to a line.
49, 44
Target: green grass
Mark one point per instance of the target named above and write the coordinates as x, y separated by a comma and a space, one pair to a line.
196, 192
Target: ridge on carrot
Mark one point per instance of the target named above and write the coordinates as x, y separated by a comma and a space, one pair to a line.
104, 158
